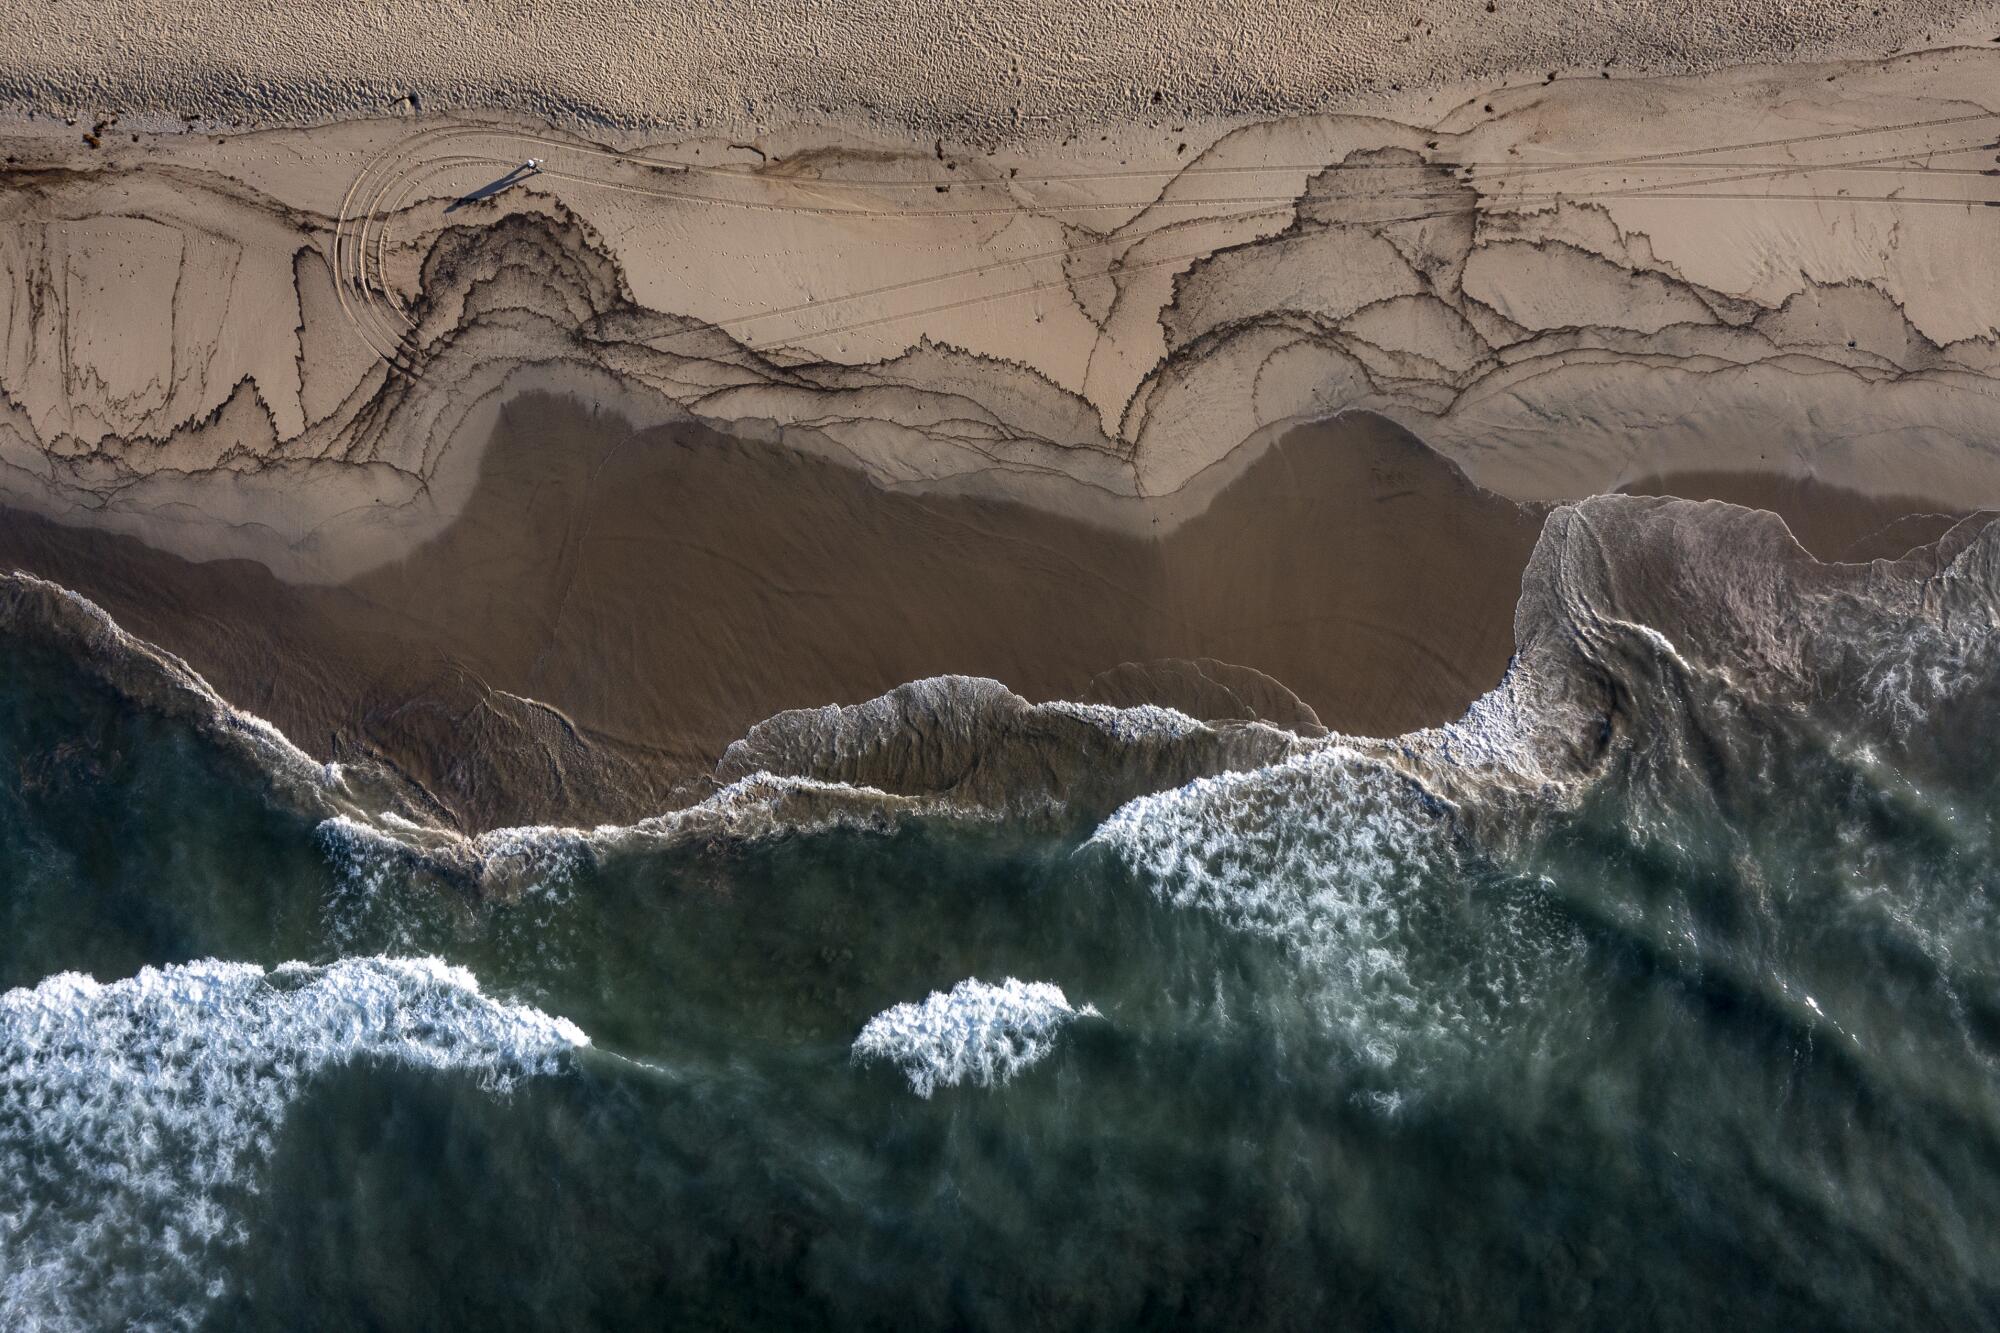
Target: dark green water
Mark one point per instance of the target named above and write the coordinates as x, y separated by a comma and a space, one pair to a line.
1715, 1048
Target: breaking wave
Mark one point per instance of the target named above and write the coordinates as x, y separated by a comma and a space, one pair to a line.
1358, 874
134, 1115
1701, 893
975, 1033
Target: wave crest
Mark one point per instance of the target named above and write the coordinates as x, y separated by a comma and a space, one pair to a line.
975, 1033
133, 1114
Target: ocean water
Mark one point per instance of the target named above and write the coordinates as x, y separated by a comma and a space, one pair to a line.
1706, 1037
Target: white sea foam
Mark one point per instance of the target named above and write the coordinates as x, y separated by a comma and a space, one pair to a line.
1356, 872
366, 859
1140, 722
1914, 671
975, 1033
1323, 853
542, 859
1302, 851
133, 1113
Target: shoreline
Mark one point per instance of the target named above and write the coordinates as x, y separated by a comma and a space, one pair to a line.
1262, 424
617, 604
661, 591
1246, 664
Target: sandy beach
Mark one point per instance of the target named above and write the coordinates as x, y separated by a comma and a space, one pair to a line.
917, 67
1049, 664
543, 483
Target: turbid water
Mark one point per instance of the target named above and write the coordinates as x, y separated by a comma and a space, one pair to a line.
1699, 1032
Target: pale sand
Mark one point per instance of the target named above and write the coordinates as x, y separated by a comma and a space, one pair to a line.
1596, 281
999, 69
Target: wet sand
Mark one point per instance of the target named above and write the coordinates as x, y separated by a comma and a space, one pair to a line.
1833, 522
614, 607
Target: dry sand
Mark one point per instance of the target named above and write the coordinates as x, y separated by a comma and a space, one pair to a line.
1590, 283
916, 66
